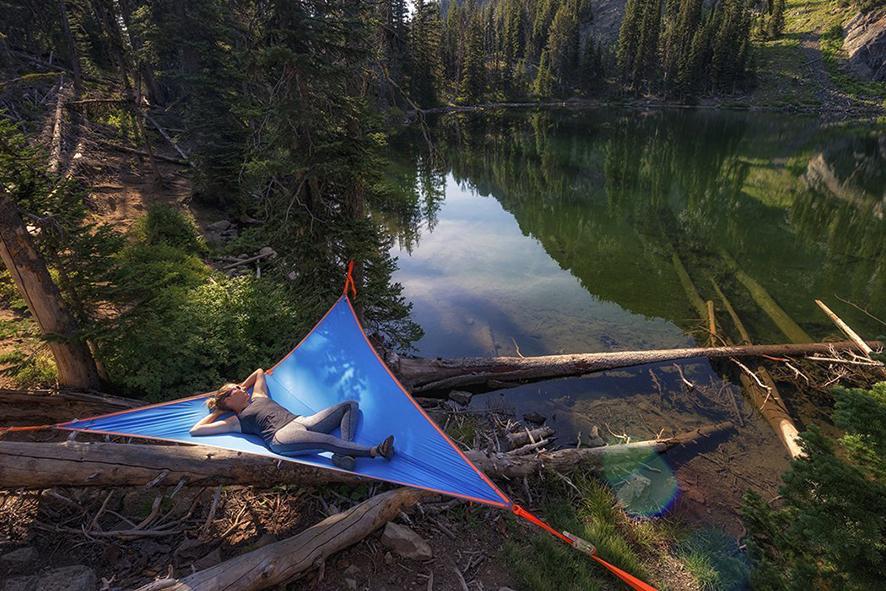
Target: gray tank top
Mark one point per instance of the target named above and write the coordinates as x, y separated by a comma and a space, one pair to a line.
264, 417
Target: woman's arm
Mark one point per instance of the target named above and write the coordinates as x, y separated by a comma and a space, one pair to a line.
257, 382
210, 425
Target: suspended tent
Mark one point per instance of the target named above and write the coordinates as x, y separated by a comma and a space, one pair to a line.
333, 363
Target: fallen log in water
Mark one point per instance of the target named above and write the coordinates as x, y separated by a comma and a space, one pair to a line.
34, 466
284, 561
426, 376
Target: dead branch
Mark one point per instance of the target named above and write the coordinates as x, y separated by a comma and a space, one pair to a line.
278, 563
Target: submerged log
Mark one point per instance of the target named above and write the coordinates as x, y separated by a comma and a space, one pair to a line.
766, 302
280, 562
765, 395
32, 466
691, 291
427, 376
772, 407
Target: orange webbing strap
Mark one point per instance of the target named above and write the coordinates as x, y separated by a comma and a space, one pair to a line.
4, 430
349, 281
585, 547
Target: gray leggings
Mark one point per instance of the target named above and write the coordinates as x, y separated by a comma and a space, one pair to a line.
310, 433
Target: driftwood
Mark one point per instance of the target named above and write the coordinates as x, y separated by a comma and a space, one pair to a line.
427, 376
502, 465
40, 407
519, 438
846, 329
278, 563
34, 466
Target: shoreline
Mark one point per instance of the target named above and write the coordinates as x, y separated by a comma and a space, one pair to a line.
823, 111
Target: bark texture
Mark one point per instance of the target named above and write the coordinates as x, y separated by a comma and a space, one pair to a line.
76, 366
422, 375
34, 466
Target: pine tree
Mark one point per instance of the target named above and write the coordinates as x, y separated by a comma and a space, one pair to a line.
473, 75
775, 24
424, 39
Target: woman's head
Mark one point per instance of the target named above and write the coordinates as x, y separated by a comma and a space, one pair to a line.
230, 397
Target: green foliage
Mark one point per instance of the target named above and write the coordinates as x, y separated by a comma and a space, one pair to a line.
166, 225
830, 531
181, 327
32, 369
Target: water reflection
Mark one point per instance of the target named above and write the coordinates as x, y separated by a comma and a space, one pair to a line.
560, 232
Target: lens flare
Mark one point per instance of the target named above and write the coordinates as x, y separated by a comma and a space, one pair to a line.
643, 482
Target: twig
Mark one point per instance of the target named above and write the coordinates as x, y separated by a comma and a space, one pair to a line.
679, 369
752, 374
212, 509
461, 579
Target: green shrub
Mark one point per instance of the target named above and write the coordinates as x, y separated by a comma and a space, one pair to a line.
830, 530
164, 224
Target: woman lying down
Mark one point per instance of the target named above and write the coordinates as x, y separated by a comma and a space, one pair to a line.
285, 433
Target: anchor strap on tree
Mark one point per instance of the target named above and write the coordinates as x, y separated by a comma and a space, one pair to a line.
584, 547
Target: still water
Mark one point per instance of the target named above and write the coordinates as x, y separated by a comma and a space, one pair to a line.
582, 231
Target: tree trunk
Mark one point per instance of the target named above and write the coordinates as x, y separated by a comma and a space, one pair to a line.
42, 407
73, 54
278, 563
427, 376
34, 466
76, 366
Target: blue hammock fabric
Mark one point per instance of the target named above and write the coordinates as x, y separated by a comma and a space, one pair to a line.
334, 363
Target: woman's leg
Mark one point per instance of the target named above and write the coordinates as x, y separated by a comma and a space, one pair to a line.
295, 438
342, 415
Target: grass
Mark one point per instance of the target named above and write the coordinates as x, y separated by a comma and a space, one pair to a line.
643, 547
540, 562
29, 369
831, 45
781, 64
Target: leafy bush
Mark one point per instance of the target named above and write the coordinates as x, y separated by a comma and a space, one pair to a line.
830, 531
167, 225
182, 327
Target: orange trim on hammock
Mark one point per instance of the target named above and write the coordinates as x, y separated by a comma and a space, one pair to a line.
349, 280
425, 415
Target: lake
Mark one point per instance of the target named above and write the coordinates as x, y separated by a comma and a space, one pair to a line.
536, 233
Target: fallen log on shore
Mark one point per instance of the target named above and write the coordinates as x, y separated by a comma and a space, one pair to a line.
38, 407
285, 560
35, 466
426, 376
